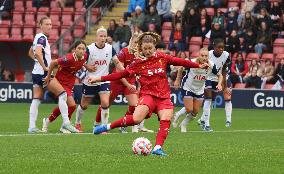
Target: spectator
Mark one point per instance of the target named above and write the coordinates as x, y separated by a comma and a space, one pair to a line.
152, 18
131, 7
249, 41
1, 69
64, 3
195, 4
148, 4
216, 32
109, 40
177, 39
121, 35
111, 28
233, 43
262, 4
248, 22
205, 22
164, 9
263, 16
247, 7
7, 75
177, 5
276, 14
212, 3
178, 18
263, 39
253, 81
193, 23
279, 75
232, 23
138, 17
239, 69
5, 9
254, 66
219, 18
267, 73
137, 29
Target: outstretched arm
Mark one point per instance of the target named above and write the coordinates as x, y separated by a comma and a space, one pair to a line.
110, 77
185, 63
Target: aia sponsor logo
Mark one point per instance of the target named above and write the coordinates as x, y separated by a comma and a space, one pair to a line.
199, 77
100, 62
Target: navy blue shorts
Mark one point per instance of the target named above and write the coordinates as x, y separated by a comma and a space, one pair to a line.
211, 85
189, 94
90, 91
229, 83
38, 80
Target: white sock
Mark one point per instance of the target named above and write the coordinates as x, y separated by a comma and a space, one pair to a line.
179, 113
187, 119
104, 115
157, 147
79, 114
206, 111
108, 126
33, 112
141, 125
62, 98
228, 110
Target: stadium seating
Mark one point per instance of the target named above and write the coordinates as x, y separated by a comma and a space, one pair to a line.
251, 56
267, 56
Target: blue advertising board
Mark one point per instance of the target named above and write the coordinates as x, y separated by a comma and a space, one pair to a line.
241, 98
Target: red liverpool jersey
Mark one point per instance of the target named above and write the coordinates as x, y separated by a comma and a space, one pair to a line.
126, 58
152, 73
68, 66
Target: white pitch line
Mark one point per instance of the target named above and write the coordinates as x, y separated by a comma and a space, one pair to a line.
60, 134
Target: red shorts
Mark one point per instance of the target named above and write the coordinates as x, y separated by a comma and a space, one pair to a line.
155, 104
68, 90
118, 88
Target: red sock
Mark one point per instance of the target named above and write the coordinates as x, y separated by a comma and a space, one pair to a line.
123, 122
163, 132
55, 113
98, 117
71, 109
130, 110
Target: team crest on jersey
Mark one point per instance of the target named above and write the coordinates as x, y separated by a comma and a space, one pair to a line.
65, 59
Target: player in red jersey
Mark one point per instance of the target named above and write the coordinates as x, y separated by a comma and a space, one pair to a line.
150, 67
63, 83
125, 86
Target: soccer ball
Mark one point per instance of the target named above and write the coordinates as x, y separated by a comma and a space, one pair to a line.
141, 146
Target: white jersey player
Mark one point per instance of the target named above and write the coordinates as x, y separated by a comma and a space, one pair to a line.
221, 59
41, 54
193, 85
100, 54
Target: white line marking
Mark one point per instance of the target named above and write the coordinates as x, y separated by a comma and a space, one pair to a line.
60, 134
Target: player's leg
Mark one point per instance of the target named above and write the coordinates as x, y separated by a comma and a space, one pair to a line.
206, 107
104, 93
37, 96
57, 89
177, 115
87, 96
188, 104
228, 106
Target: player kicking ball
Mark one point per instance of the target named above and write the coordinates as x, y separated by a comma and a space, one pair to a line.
193, 84
150, 65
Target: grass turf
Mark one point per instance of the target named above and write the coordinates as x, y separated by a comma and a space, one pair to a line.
254, 144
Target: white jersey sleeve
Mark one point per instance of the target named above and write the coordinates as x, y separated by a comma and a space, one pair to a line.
219, 63
101, 58
41, 40
194, 80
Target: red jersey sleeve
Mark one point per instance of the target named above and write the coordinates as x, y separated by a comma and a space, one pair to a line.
181, 62
115, 76
121, 55
65, 61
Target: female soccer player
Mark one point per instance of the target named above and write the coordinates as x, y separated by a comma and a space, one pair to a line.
63, 83
40, 52
193, 85
99, 54
65, 79
150, 66
125, 86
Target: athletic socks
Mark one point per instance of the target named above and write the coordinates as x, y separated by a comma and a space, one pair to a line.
79, 114
123, 122
206, 112
179, 113
228, 110
162, 132
187, 119
98, 116
33, 113
62, 98
104, 115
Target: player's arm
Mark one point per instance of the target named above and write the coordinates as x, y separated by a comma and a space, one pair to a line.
179, 77
110, 77
52, 65
185, 63
117, 63
39, 57
31, 53
131, 87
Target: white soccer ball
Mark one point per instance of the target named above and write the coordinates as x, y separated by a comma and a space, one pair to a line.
141, 146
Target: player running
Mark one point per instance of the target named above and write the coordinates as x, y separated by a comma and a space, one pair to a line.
40, 52
125, 86
64, 83
99, 54
193, 84
150, 67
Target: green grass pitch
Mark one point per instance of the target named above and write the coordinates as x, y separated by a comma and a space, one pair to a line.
254, 144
